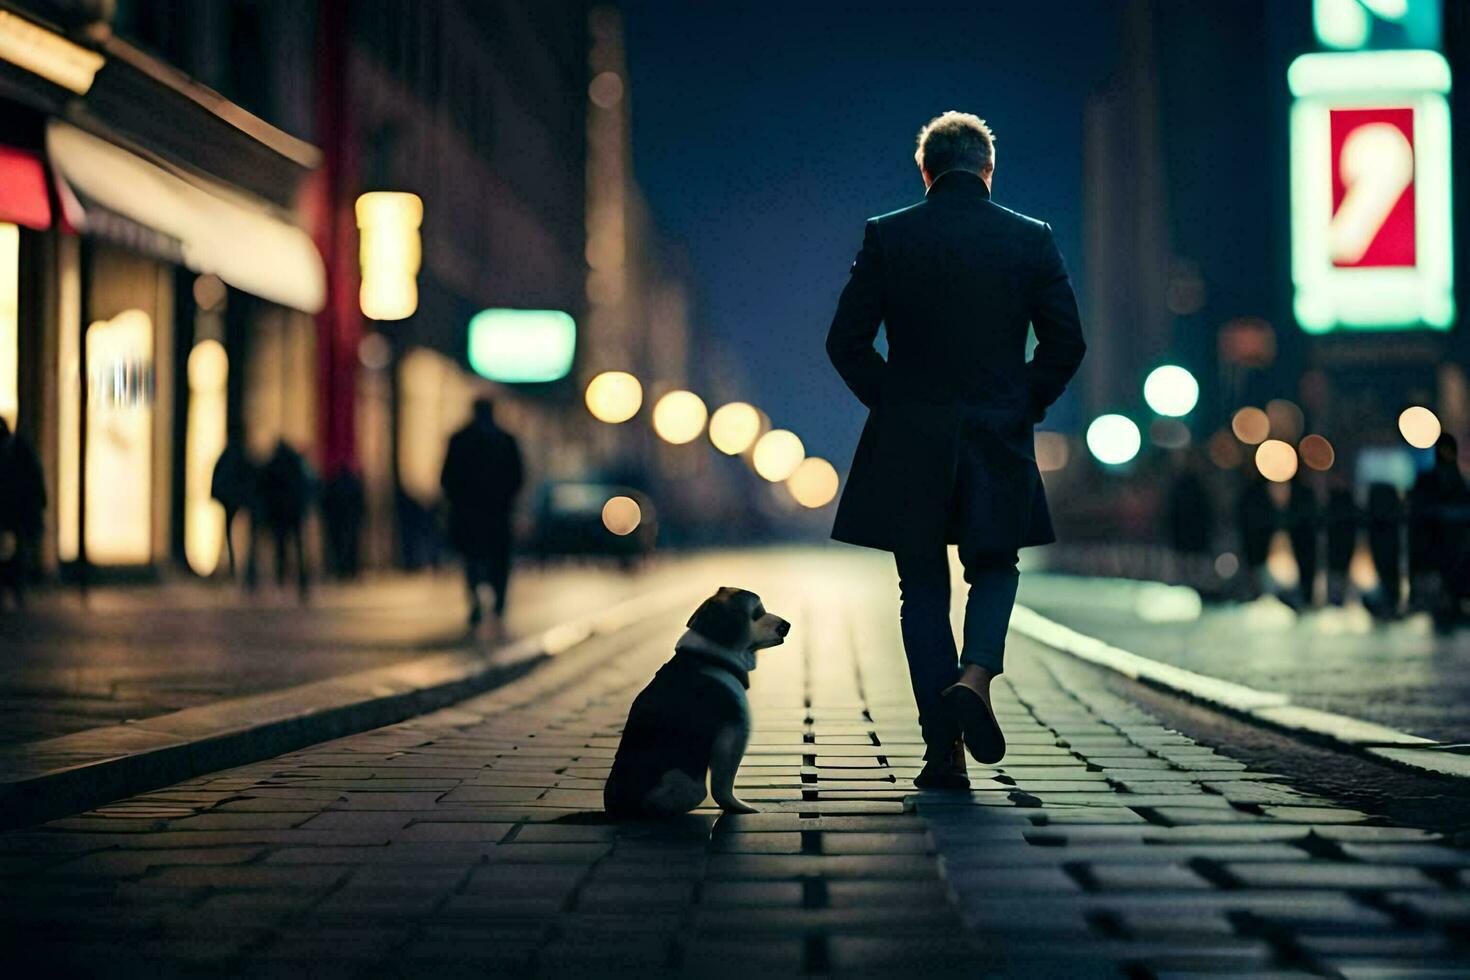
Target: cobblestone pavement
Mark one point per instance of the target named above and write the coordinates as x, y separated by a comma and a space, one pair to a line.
469, 841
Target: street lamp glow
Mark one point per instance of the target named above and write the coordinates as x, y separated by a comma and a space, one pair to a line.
622, 515
734, 428
814, 484
614, 396
777, 454
1171, 390
1317, 452
1276, 460
679, 417
1251, 425
1419, 426
390, 251
1113, 439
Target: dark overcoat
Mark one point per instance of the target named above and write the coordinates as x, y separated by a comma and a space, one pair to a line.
947, 454
481, 477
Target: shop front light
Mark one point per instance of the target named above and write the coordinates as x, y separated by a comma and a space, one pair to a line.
391, 252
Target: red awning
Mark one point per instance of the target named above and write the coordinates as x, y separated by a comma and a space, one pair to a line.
23, 199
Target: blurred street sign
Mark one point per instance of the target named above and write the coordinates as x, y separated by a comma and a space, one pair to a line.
1371, 227
1356, 25
522, 346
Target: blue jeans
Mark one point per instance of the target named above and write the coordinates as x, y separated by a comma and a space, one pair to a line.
928, 639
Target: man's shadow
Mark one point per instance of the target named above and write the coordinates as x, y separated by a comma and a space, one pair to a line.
685, 827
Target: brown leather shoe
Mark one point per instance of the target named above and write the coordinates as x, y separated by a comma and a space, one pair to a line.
945, 773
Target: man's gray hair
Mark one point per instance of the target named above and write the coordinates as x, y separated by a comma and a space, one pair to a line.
955, 141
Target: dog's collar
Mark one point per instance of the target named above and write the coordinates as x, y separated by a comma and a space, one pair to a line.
738, 662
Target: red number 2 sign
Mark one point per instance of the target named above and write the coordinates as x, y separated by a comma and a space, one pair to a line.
1372, 187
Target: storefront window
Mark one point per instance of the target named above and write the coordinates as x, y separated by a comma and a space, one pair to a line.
9, 324
120, 390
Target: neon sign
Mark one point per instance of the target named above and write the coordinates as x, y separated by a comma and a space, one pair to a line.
1372, 243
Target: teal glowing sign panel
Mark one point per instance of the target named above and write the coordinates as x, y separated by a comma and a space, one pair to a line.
522, 346
1371, 234
1356, 25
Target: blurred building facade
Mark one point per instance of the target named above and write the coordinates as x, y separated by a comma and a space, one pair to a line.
226, 304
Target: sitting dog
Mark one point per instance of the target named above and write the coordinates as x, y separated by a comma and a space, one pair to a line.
693, 718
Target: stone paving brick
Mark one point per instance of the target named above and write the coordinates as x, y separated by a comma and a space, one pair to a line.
469, 842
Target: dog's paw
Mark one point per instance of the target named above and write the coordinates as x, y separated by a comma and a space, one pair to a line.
733, 805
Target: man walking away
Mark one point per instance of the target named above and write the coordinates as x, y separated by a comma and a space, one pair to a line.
22, 501
947, 455
482, 475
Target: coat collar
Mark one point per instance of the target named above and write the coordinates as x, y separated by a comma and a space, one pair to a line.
958, 183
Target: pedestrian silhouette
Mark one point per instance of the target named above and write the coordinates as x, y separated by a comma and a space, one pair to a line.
1343, 521
343, 505
283, 495
1441, 518
233, 485
1304, 528
481, 477
1189, 511
1385, 533
22, 502
1255, 517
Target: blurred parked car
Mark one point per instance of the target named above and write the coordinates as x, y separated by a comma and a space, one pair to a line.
592, 519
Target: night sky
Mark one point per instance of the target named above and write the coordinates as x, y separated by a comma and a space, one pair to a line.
764, 134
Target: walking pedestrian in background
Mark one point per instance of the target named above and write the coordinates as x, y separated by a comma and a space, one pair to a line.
1304, 528
1385, 534
283, 497
22, 502
1255, 518
481, 477
233, 484
1343, 521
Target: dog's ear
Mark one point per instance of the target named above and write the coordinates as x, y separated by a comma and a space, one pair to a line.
722, 619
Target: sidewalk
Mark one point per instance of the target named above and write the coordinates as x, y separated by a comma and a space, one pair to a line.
1400, 674
469, 840
135, 652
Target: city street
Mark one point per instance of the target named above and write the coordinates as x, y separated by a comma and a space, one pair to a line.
470, 840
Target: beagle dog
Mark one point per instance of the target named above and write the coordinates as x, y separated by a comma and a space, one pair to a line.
693, 718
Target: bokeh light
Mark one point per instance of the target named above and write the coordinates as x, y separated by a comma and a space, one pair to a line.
1317, 453
1168, 433
1285, 418
1224, 450
1251, 425
734, 428
1276, 460
1419, 426
679, 417
814, 484
621, 515
1113, 439
777, 454
1171, 390
1053, 451
614, 396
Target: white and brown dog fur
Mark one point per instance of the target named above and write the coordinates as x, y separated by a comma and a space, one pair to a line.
692, 721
